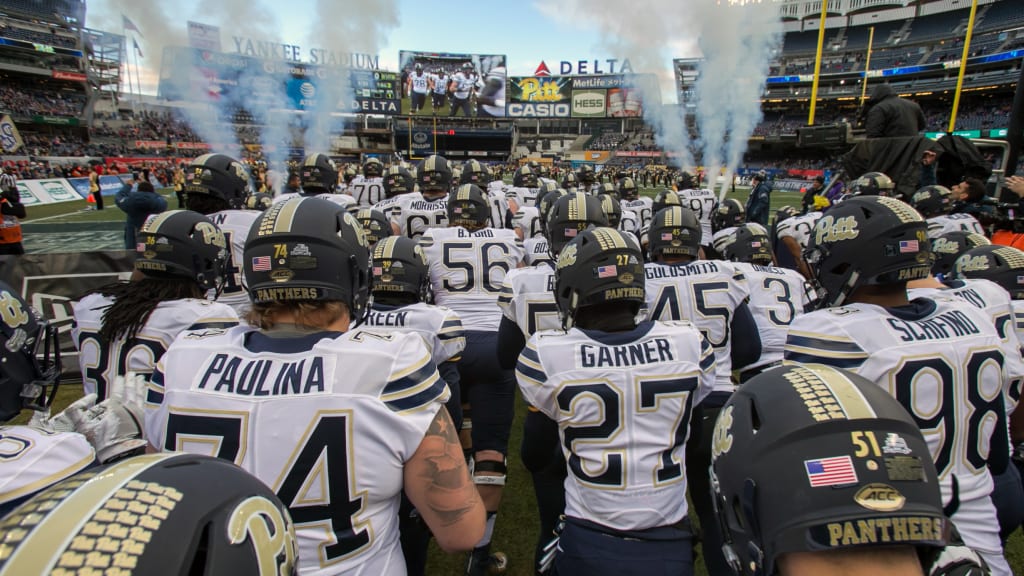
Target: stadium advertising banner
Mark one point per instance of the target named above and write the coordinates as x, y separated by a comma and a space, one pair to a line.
211, 77
49, 191
607, 96
448, 84
539, 97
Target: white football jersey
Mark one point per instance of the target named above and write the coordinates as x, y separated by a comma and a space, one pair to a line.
440, 328
536, 251
326, 420
622, 402
388, 206
946, 364
499, 208
630, 223
285, 196
798, 228
705, 292
34, 459
703, 203
528, 299
346, 201
777, 297
419, 82
235, 225
100, 362
414, 214
939, 225
366, 191
467, 271
641, 208
440, 83
527, 221
522, 196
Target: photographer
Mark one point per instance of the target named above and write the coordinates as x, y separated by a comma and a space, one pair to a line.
138, 200
11, 211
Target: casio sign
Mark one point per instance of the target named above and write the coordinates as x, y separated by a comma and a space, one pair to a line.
538, 110
588, 102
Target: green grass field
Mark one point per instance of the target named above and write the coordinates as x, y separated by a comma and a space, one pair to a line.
78, 210
516, 529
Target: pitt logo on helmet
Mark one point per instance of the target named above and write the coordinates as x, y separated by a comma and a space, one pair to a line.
972, 264
830, 229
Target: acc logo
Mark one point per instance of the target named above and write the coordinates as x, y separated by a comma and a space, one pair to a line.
971, 263
281, 275
830, 229
880, 497
567, 257
721, 441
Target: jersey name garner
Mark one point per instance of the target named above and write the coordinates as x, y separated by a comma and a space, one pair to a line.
639, 353
946, 325
252, 377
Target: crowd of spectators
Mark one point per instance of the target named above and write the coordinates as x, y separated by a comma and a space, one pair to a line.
10, 29
606, 141
25, 100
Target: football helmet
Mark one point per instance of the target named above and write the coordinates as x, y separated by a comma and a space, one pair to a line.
750, 245
949, 246
873, 184
182, 243
786, 476
867, 240
434, 174
664, 199
30, 366
932, 201
318, 174
545, 200
586, 174
785, 213
349, 174
1003, 265
468, 207
569, 216
685, 181
375, 225
220, 176
628, 189
612, 209
398, 180
173, 513
400, 268
728, 214
569, 181
259, 201
674, 231
607, 189
308, 249
418, 67
599, 265
475, 172
373, 167
524, 177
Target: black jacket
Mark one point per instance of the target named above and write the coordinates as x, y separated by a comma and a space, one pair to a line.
890, 116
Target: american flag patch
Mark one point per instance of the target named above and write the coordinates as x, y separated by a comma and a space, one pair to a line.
666, 236
457, 210
261, 264
140, 247
377, 271
830, 471
1020, 279
755, 244
908, 246
571, 232
607, 271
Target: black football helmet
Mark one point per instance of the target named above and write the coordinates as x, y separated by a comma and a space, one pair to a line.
349, 174
259, 201
308, 249
867, 240
468, 207
318, 174
398, 180
685, 181
785, 213
545, 200
949, 246
475, 172
1003, 265
400, 269
375, 225
932, 201
787, 478
728, 214
524, 177
873, 184
569, 216
664, 199
612, 209
172, 513
674, 231
599, 265
434, 174
182, 244
373, 167
750, 245
628, 189
569, 181
30, 366
220, 176
586, 174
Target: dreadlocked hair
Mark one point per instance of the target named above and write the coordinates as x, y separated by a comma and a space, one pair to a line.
314, 315
135, 301
205, 203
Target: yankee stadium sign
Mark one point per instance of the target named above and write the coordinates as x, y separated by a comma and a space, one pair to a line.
270, 50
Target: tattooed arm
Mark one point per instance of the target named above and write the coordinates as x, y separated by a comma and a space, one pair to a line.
438, 484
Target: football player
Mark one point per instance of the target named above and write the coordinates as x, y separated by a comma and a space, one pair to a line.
375, 225
873, 184
127, 326
703, 203
475, 172
528, 305
524, 189
728, 216
461, 88
587, 179
949, 246
777, 295
536, 249
417, 212
569, 182
301, 396
713, 295
217, 186
817, 471
490, 99
935, 203
153, 514
792, 231
368, 188
438, 91
640, 208
320, 179
468, 263
622, 394
942, 359
397, 181
417, 86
